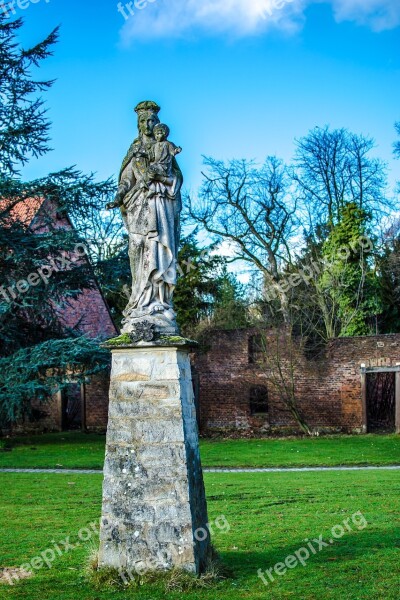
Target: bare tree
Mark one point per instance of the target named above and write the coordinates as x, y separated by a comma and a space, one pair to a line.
334, 168
282, 359
396, 145
250, 208
103, 230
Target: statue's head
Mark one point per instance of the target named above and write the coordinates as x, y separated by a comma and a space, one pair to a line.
161, 132
147, 117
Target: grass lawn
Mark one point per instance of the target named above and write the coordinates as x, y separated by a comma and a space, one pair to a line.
78, 450
270, 516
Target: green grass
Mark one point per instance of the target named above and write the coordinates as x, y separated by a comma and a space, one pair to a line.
63, 450
78, 450
322, 451
270, 516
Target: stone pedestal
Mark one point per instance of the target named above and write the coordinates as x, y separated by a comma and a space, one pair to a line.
154, 512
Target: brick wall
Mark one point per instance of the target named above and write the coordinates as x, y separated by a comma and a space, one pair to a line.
45, 417
328, 388
94, 398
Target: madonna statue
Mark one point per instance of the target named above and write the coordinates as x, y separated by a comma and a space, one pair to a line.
149, 196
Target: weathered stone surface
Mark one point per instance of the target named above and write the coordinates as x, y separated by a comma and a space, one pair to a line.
149, 197
153, 491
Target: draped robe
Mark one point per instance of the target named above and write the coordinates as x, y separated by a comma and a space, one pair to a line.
151, 212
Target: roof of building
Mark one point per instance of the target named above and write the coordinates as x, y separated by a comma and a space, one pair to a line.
22, 211
88, 313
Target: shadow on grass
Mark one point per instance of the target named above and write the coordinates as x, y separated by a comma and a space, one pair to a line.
353, 546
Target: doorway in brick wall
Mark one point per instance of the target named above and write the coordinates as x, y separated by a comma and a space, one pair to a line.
381, 400
72, 407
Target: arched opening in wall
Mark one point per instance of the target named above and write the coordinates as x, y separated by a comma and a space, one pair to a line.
258, 401
256, 349
381, 402
72, 407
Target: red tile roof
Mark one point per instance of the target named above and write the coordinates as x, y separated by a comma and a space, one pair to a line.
23, 211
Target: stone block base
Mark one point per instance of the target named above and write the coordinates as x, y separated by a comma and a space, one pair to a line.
154, 511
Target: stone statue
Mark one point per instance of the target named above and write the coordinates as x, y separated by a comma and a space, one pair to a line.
154, 511
149, 196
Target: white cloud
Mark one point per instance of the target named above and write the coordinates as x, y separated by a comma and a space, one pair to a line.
378, 14
172, 18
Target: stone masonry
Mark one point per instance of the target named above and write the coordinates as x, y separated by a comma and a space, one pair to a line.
328, 386
153, 495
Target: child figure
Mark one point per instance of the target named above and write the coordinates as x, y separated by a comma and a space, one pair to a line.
164, 152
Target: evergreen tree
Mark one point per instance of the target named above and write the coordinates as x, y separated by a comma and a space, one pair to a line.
36, 352
389, 268
389, 278
115, 279
24, 128
197, 287
348, 277
107, 243
206, 295
231, 308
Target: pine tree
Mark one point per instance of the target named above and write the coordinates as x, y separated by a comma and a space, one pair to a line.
207, 295
197, 287
36, 352
230, 310
24, 129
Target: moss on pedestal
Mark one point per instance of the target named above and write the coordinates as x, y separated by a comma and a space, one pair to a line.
124, 340
121, 340
174, 339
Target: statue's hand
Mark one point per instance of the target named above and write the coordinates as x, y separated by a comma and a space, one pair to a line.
116, 203
165, 180
154, 175
144, 185
112, 205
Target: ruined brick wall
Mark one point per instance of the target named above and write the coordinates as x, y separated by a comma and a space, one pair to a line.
47, 417
343, 362
328, 388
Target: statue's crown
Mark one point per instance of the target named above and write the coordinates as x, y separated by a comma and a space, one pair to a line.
148, 106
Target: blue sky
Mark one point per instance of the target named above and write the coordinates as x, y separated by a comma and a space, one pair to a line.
235, 78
